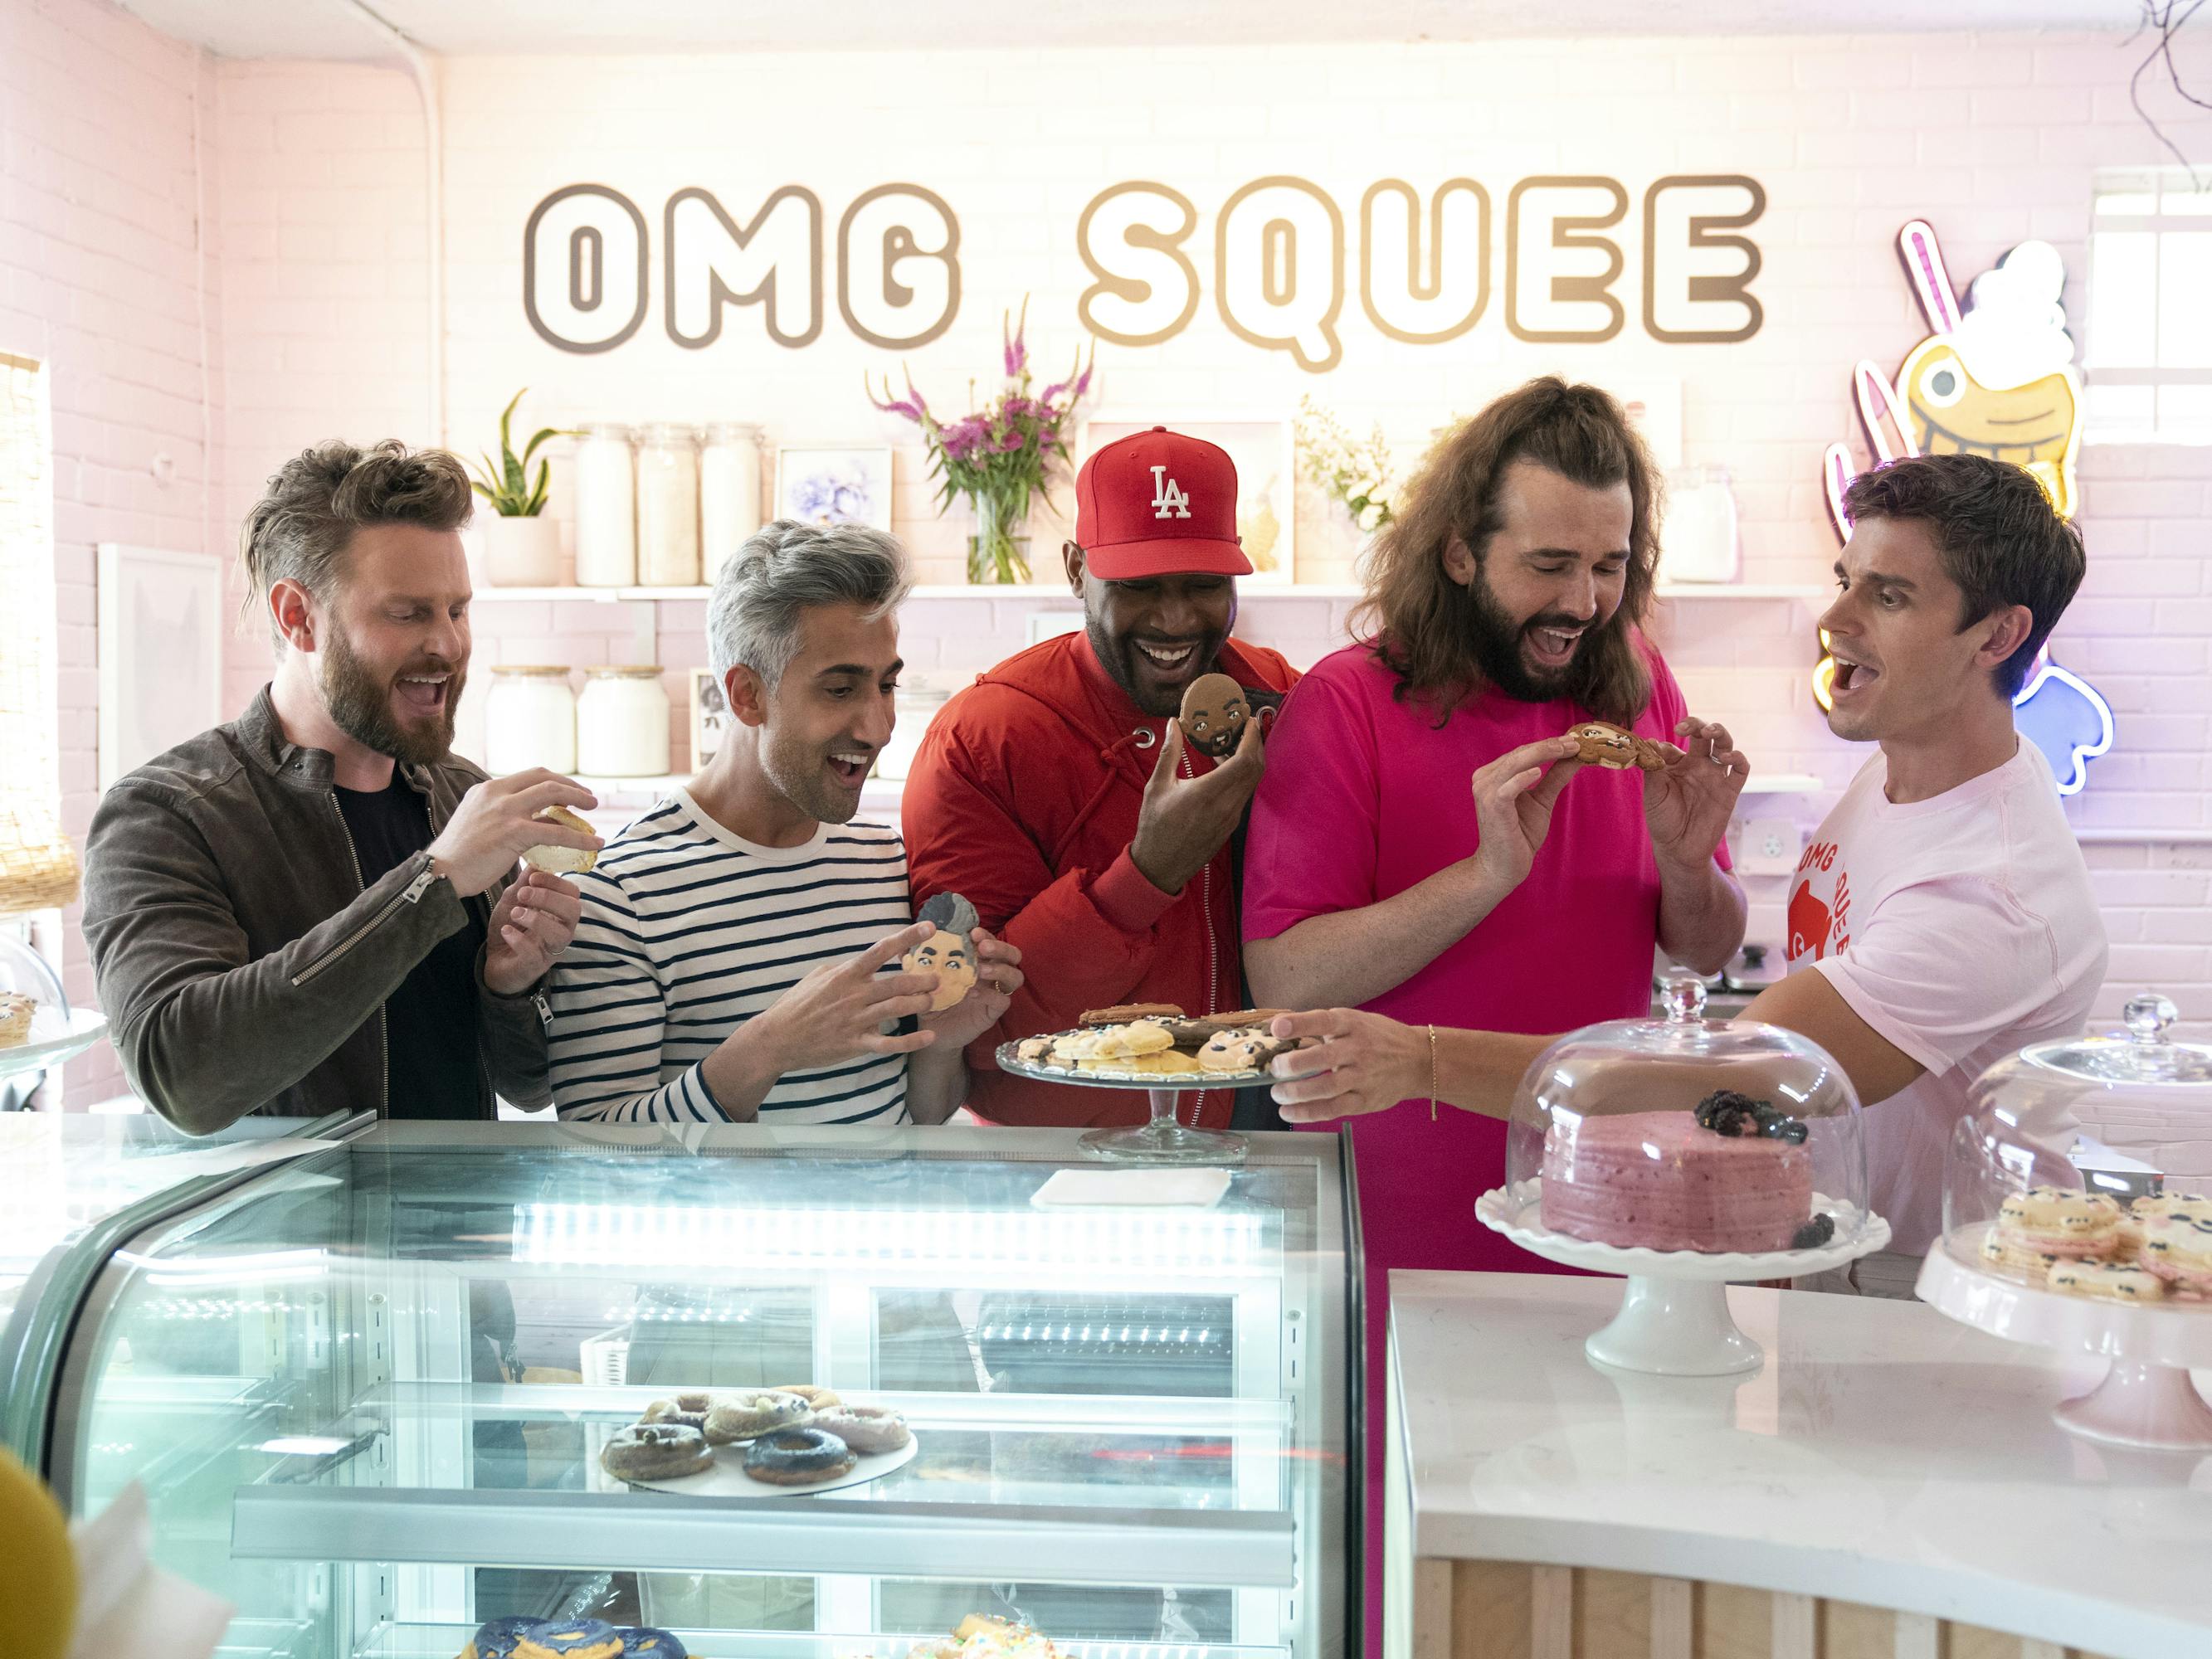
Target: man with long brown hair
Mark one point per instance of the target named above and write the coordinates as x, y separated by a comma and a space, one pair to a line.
1503, 608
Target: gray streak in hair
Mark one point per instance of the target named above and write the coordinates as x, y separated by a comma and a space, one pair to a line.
787, 567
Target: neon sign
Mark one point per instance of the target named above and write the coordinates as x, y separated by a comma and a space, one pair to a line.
1995, 377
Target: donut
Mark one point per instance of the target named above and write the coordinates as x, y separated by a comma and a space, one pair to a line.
646, 1643
575, 1638
2061, 1221
16, 1011
1608, 746
744, 1415
562, 860
495, 1639
818, 1399
2106, 1282
867, 1429
798, 1457
656, 1452
688, 1409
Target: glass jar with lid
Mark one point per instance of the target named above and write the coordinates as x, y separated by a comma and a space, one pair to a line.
606, 507
668, 507
1682, 1133
916, 704
530, 719
621, 723
729, 492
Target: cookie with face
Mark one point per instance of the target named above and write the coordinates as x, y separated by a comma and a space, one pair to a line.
950, 953
1607, 746
1241, 1051
1214, 714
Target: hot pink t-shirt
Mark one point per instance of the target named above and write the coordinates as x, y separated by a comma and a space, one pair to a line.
1364, 797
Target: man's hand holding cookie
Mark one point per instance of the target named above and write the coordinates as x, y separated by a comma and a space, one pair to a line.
1688, 801
1184, 822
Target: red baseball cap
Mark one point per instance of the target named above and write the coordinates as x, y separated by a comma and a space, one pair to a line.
1158, 504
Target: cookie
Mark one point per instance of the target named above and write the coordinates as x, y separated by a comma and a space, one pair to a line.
2177, 1247
949, 954
1998, 1252
798, 1457
2104, 1282
1128, 1011
1245, 1019
2061, 1221
1165, 1062
1032, 1050
1241, 1051
575, 1638
562, 860
1608, 746
1214, 716
656, 1452
15, 1012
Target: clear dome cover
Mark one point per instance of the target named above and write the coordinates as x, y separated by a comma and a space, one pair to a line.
2015, 1205
1722, 1137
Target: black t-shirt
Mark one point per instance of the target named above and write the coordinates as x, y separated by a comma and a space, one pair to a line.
430, 1021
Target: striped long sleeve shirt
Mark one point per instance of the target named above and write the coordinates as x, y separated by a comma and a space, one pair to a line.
688, 932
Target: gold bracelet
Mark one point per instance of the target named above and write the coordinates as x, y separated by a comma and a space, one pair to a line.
1433, 1074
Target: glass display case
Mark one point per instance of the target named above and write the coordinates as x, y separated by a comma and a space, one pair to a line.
366, 1391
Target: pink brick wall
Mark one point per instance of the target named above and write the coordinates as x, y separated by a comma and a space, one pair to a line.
102, 250
1995, 139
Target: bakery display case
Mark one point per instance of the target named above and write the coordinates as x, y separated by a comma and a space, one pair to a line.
368, 1389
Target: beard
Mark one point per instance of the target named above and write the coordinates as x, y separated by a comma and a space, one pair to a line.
1118, 657
799, 770
1495, 636
360, 704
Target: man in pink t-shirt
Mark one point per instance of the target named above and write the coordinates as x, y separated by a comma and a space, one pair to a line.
1422, 846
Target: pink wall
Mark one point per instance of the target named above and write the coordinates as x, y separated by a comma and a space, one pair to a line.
103, 249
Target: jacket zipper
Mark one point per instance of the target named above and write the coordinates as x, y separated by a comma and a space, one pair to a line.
1212, 960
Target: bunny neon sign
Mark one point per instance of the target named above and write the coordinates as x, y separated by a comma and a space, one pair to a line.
1994, 378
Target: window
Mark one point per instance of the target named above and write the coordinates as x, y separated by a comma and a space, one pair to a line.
38, 868
2149, 355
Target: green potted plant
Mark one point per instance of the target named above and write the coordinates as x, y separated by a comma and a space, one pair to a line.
522, 547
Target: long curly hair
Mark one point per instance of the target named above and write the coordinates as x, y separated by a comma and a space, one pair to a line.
1419, 621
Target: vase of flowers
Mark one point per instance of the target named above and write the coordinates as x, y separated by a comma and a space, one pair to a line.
1000, 456
1356, 471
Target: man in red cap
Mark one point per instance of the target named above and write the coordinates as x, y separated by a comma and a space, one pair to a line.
1058, 795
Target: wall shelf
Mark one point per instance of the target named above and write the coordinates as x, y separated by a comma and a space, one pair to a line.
1783, 783
1249, 592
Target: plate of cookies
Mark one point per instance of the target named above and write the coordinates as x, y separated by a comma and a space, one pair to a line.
1153, 1045
792, 1440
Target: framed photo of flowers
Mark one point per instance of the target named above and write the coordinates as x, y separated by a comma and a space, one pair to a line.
844, 485
1266, 454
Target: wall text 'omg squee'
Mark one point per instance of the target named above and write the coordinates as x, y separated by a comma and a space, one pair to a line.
1281, 249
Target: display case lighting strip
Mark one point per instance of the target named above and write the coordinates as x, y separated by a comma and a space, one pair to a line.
1204, 1246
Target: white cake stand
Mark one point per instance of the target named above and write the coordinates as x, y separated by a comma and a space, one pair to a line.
1165, 1139
1674, 1318
55, 1037
2146, 1399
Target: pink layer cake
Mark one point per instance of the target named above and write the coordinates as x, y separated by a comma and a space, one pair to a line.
1658, 1179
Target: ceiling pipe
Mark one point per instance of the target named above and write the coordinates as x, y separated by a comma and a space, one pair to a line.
425, 70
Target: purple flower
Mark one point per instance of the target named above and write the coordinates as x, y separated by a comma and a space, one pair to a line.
1017, 352
1018, 407
1012, 440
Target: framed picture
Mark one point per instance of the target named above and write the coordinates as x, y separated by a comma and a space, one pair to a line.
835, 486
710, 716
1266, 454
160, 652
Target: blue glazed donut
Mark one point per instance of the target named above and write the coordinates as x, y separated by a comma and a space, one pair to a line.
496, 1638
798, 1458
574, 1639
646, 1643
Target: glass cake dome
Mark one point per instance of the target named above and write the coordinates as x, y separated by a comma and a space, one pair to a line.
2015, 1204
1682, 1133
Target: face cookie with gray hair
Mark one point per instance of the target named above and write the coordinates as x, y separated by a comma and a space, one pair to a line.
950, 953
1213, 714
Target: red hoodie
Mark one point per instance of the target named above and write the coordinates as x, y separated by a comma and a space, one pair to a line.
1025, 797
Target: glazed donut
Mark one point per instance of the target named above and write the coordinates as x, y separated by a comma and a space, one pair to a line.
866, 1428
742, 1416
688, 1409
656, 1452
798, 1458
818, 1399
644, 1641
497, 1639
578, 1638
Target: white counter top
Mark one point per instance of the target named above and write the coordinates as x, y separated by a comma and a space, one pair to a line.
1883, 1454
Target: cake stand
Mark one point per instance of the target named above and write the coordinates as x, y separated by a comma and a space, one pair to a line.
55, 1036
1163, 1140
2146, 1399
1674, 1318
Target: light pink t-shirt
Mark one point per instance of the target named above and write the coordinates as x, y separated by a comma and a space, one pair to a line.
1961, 928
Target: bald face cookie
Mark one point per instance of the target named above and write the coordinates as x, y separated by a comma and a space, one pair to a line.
1214, 714
949, 954
1607, 746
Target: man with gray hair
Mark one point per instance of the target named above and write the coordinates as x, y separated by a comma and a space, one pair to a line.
311, 909
730, 961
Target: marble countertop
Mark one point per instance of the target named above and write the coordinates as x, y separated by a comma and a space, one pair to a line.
1882, 1455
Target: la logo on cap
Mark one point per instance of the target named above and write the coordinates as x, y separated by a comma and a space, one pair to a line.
1158, 503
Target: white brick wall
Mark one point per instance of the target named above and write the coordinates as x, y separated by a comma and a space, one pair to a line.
101, 257
322, 286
